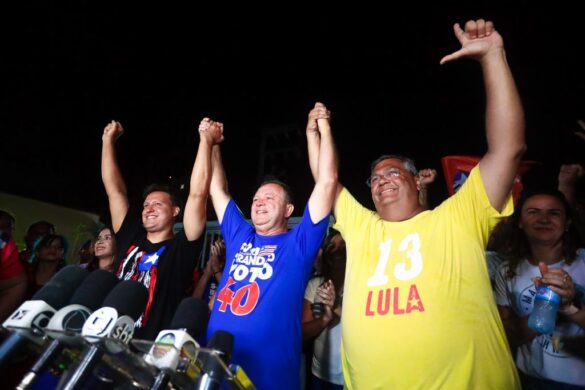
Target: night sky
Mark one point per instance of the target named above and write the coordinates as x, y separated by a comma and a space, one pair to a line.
159, 70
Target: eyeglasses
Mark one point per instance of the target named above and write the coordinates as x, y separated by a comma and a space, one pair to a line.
388, 174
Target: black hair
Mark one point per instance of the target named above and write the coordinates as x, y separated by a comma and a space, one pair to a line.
46, 241
156, 187
7, 220
41, 222
333, 263
406, 161
289, 196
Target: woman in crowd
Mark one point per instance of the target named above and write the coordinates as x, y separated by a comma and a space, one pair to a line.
48, 257
542, 248
104, 251
322, 314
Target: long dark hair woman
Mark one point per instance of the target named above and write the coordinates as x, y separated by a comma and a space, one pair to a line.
542, 248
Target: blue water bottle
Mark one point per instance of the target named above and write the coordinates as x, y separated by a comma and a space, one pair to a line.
544, 313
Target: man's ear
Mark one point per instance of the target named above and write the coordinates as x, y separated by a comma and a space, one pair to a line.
289, 210
176, 211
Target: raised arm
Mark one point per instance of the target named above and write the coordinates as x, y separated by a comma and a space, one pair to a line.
314, 138
426, 177
219, 188
504, 113
111, 175
210, 134
325, 190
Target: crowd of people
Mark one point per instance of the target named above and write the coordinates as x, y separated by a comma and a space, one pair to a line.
400, 297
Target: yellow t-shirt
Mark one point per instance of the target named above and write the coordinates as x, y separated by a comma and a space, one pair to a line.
418, 308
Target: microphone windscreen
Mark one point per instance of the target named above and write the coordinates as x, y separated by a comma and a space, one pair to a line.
222, 341
128, 298
61, 286
94, 289
192, 315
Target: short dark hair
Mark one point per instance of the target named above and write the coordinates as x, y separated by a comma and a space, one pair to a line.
406, 161
50, 226
46, 241
156, 187
6, 220
289, 196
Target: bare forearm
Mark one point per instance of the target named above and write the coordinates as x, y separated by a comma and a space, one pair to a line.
521, 333
114, 185
313, 145
218, 188
504, 129
569, 191
111, 175
201, 285
423, 198
504, 112
195, 208
314, 327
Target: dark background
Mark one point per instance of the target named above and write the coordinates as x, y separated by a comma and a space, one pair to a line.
67, 71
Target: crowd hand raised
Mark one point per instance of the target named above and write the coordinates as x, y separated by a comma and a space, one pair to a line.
211, 130
426, 177
570, 174
478, 39
326, 293
213, 265
112, 131
219, 248
581, 133
318, 112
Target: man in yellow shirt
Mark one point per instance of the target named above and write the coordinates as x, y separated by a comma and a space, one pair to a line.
418, 310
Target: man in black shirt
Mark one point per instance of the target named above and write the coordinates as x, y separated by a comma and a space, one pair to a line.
149, 252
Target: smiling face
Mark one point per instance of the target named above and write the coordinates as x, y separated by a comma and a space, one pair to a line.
392, 184
544, 219
105, 245
270, 209
158, 212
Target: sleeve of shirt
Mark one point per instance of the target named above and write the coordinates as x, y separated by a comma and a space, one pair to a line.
349, 213
501, 287
233, 221
312, 288
310, 235
472, 210
128, 232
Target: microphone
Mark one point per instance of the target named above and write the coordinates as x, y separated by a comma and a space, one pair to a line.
173, 346
66, 324
238, 378
33, 315
106, 327
215, 364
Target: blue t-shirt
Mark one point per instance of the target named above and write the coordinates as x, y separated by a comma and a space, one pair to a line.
259, 299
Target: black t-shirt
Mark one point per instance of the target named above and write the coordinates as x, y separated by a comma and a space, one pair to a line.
165, 268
